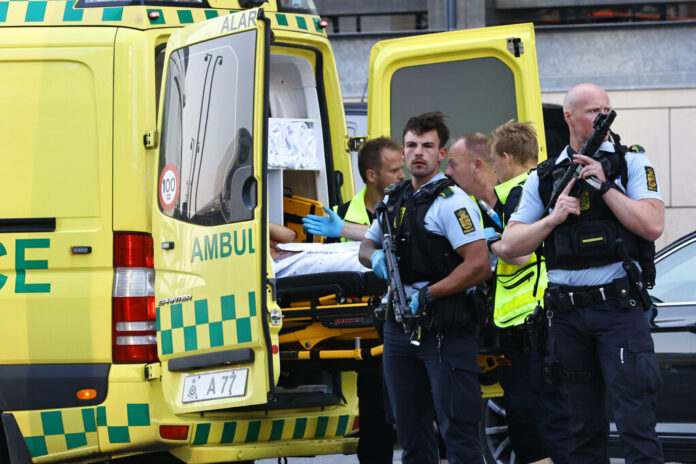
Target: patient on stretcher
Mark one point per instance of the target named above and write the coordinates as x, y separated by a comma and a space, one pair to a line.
290, 259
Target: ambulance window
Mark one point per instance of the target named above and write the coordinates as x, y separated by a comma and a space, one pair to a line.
477, 95
206, 159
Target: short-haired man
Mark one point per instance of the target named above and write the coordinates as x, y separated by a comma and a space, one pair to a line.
597, 328
380, 165
536, 413
442, 255
470, 165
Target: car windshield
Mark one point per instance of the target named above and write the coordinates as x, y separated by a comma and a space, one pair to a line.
675, 282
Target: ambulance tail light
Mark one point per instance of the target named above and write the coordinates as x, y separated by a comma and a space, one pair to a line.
133, 303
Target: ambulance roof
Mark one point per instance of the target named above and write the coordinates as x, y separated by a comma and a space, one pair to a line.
147, 14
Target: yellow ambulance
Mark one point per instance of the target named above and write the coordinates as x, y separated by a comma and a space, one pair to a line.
145, 147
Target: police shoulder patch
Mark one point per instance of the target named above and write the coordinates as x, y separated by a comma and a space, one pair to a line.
465, 221
447, 192
651, 179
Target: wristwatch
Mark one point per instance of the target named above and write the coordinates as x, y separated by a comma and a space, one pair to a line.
604, 188
425, 297
492, 241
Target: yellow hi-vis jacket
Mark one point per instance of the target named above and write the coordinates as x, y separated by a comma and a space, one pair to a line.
514, 288
357, 212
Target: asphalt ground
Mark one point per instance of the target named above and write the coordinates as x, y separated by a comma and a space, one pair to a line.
353, 459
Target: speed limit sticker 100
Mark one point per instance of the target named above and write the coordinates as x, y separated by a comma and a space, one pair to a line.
168, 187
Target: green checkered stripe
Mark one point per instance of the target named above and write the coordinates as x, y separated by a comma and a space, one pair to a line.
120, 429
202, 324
222, 433
60, 430
301, 22
50, 12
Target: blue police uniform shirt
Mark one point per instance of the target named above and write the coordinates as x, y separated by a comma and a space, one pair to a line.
442, 218
531, 209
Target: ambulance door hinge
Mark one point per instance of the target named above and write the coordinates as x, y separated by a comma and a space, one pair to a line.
153, 371
515, 46
150, 139
354, 143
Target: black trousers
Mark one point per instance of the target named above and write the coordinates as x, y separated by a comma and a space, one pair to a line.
606, 351
536, 412
439, 379
376, 439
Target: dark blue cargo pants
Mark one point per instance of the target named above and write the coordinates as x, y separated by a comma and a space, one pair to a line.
604, 350
434, 380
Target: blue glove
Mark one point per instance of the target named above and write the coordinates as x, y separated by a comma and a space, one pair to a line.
490, 234
328, 226
414, 303
379, 264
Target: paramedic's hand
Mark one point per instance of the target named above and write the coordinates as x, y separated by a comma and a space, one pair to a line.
379, 264
328, 226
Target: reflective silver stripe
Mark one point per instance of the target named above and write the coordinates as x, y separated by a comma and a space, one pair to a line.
134, 281
142, 326
139, 340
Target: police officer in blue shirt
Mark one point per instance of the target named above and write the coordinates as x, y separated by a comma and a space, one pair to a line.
597, 328
442, 254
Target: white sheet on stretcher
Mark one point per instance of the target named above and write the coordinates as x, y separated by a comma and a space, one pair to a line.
317, 258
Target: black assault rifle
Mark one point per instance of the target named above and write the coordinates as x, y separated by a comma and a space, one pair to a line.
397, 295
601, 125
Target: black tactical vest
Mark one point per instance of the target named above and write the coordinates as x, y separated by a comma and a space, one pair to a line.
589, 240
425, 256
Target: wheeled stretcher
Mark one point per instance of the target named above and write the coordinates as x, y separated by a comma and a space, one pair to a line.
330, 316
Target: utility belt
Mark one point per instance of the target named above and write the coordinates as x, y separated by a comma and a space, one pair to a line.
565, 299
451, 314
515, 337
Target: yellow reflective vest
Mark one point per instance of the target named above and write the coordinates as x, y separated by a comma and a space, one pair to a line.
357, 212
514, 289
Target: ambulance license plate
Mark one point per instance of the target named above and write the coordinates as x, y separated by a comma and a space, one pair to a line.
215, 385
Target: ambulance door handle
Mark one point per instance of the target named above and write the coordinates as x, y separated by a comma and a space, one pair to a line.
167, 245
249, 193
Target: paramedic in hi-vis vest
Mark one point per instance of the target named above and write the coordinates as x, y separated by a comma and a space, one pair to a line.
537, 414
380, 165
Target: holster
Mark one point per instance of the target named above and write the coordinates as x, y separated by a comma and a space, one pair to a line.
535, 323
458, 311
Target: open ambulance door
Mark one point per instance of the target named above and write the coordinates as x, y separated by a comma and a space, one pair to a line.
210, 217
479, 78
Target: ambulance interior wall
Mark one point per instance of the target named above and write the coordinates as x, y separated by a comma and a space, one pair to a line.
293, 95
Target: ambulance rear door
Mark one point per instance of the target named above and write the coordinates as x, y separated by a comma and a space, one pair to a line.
479, 78
209, 219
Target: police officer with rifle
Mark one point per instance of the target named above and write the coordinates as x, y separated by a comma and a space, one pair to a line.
429, 359
594, 229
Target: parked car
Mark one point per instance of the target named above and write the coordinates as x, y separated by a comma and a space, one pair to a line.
674, 334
